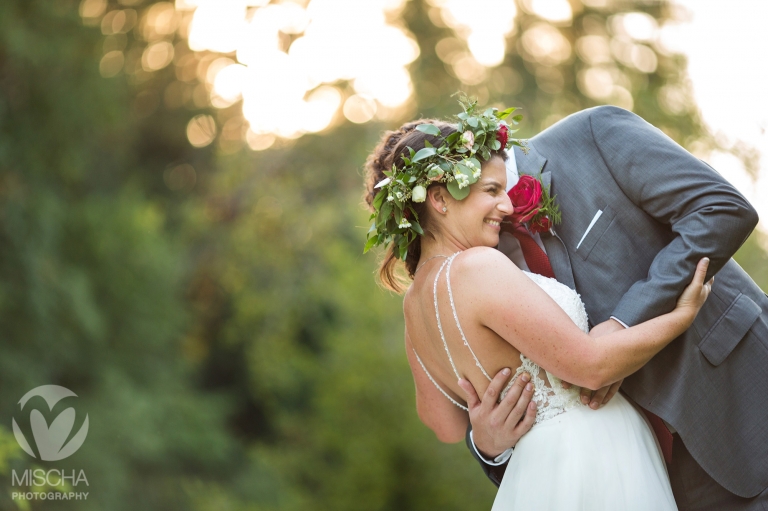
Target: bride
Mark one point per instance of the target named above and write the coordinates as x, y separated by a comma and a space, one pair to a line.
437, 191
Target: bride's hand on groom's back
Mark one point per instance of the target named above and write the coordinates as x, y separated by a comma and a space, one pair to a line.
498, 426
597, 398
690, 302
697, 292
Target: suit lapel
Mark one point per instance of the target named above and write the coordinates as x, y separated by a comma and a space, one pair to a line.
558, 258
533, 164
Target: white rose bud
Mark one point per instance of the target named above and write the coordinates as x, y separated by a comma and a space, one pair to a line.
468, 139
419, 194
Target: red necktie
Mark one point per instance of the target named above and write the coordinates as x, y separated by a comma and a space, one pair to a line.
662, 433
535, 257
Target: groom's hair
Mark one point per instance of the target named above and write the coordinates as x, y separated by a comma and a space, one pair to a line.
390, 150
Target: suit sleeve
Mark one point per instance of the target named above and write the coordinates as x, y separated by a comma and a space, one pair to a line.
494, 473
707, 214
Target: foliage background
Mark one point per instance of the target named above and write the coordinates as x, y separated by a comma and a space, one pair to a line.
227, 339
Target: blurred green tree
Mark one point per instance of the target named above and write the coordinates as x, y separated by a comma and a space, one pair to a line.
92, 294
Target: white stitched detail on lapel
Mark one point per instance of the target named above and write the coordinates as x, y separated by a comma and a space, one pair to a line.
591, 225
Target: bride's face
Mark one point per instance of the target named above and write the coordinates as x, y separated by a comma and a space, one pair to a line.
475, 221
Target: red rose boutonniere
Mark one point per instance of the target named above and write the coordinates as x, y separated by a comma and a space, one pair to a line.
533, 207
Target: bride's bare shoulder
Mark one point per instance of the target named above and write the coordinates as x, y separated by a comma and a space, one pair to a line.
484, 259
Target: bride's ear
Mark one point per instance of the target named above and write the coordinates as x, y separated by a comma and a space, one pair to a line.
437, 198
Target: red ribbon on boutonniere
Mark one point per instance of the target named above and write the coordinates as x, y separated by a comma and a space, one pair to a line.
533, 207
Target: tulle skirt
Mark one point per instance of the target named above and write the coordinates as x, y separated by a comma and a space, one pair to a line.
588, 460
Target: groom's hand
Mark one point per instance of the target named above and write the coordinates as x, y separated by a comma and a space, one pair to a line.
498, 426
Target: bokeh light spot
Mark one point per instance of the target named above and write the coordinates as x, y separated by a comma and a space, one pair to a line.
92, 8
359, 108
556, 11
546, 44
201, 130
111, 64
180, 177
259, 141
157, 55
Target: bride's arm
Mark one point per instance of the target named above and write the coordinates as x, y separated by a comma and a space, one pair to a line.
513, 306
448, 421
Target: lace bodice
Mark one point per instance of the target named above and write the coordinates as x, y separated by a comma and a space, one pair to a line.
550, 397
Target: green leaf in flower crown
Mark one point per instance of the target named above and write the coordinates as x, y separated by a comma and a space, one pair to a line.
505, 113
411, 151
377, 201
424, 153
373, 228
495, 145
453, 137
416, 227
475, 161
429, 129
456, 192
489, 112
485, 153
370, 243
386, 210
472, 121
403, 244
516, 119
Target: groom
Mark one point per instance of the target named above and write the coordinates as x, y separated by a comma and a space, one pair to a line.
638, 212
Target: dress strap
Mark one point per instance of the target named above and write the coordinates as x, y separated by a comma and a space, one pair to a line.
456, 317
442, 336
437, 314
447, 266
437, 384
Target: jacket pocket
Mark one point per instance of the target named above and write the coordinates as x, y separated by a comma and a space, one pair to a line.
718, 342
597, 231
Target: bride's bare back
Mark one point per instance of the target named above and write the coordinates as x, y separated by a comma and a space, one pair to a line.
446, 337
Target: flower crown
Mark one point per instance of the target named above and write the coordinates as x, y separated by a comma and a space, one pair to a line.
454, 162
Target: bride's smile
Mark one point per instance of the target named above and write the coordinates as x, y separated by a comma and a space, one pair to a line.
476, 220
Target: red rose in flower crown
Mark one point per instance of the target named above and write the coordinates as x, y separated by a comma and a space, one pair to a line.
526, 199
502, 135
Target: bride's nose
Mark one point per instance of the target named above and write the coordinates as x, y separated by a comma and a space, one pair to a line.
505, 205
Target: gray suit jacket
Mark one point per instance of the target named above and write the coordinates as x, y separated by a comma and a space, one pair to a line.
663, 210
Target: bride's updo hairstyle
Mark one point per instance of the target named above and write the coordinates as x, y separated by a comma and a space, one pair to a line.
391, 148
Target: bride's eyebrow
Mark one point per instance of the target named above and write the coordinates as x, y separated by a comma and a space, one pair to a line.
492, 182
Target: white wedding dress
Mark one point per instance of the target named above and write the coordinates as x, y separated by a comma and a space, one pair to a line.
574, 458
